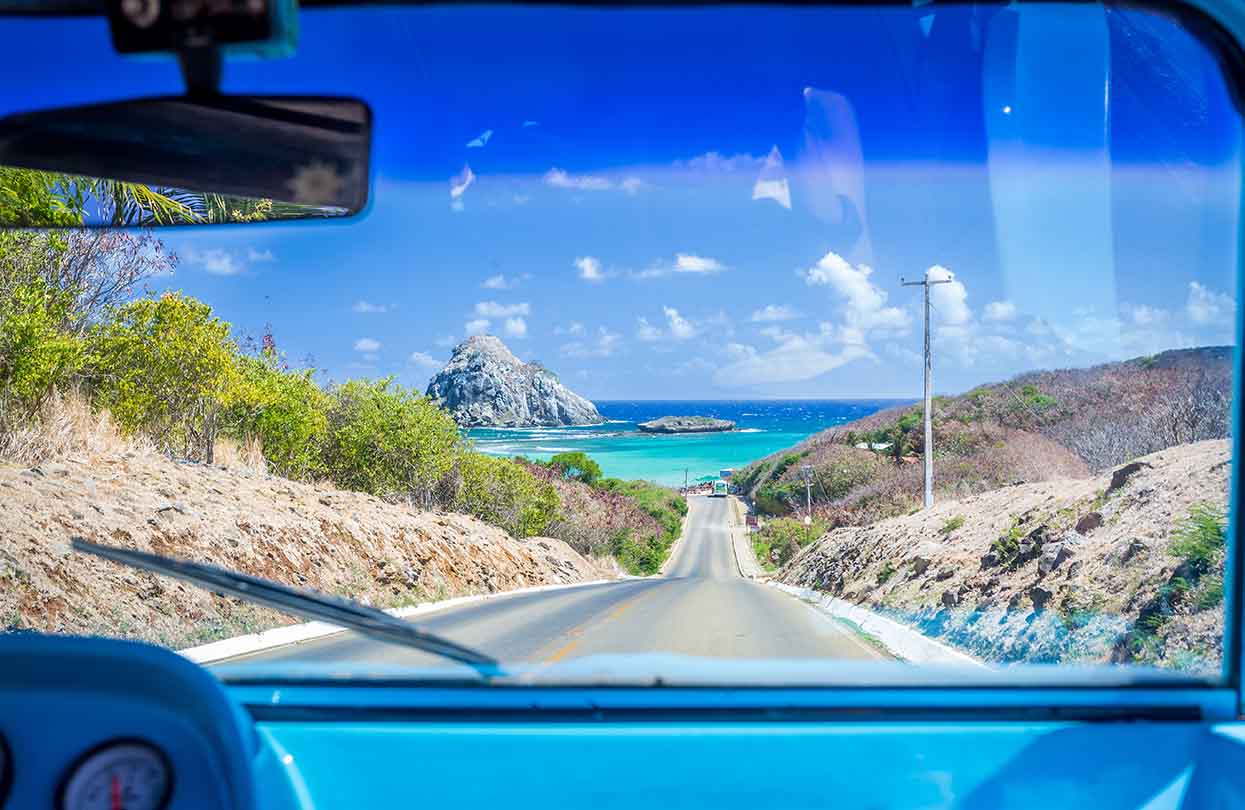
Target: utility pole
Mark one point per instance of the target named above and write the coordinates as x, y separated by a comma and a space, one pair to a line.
685, 477
929, 389
806, 472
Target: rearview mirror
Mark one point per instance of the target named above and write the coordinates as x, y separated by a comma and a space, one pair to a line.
221, 158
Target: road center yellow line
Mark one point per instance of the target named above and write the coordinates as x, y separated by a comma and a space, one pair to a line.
578, 632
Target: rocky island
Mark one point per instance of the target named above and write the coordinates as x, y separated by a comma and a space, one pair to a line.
485, 385
686, 424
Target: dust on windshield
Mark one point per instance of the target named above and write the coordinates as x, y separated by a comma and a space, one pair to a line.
674, 341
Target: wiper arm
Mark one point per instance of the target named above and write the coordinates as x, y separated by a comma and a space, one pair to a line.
351, 615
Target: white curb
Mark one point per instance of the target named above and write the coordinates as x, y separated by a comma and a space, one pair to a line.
296, 633
900, 639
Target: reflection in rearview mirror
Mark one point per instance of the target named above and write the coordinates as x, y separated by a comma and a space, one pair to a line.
175, 161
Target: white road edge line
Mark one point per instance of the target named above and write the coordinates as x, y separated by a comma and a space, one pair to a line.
297, 633
898, 638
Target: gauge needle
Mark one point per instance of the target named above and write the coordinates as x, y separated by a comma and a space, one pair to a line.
116, 792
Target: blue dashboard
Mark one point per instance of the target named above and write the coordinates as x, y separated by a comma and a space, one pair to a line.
330, 745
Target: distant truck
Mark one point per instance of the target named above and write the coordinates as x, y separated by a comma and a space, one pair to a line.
720, 489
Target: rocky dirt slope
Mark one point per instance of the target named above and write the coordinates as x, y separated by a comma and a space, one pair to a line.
1058, 571
339, 542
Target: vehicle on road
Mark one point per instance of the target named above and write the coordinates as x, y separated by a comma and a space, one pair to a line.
720, 489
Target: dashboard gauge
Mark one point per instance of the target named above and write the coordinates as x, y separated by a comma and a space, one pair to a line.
118, 775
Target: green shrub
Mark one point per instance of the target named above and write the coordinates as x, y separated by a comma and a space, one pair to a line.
388, 441
35, 355
164, 366
644, 554
1198, 539
285, 410
786, 536
951, 524
885, 572
576, 466
502, 492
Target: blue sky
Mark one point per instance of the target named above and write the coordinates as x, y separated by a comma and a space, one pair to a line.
717, 203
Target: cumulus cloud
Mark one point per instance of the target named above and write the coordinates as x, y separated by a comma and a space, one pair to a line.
796, 357
589, 268
999, 311
574, 328
366, 344
515, 327
691, 263
680, 327
864, 304
492, 309
646, 332
949, 298
503, 282
368, 308
216, 261
774, 312
559, 178
604, 344
423, 360
1209, 308
476, 327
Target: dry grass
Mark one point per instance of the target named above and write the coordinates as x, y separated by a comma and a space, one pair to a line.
66, 426
247, 456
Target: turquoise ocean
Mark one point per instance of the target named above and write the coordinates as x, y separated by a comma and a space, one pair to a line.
764, 426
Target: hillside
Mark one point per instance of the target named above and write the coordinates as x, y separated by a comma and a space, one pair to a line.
1038, 426
1125, 566
316, 536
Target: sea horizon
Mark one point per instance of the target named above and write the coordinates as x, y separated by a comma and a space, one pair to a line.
763, 426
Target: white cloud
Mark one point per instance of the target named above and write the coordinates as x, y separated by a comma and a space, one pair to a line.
423, 360
1207, 307
646, 332
515, 327
864, 304
1000, 311
691, 263
680, 327
446, 341
1145, 315
796, 358
949, 299
366, 344
368, 308
774, 312
459, 184
559, 178
497, 282
574, 328
632, 185
589, 268
216, 261
717, 162
476, 327
492, 309
605, 344
265, 255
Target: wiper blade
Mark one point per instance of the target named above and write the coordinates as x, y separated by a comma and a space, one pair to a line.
345, 613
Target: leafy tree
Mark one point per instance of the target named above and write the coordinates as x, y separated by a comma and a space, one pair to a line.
502, 492
576, 466
284, 409
36, 356
389, 441
164, 366
32, 199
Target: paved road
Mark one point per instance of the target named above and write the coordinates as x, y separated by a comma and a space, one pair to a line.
701, 607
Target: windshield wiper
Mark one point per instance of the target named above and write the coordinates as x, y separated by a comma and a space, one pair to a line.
368, 621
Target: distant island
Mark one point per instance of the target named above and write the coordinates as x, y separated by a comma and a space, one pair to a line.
485, 385
686, 424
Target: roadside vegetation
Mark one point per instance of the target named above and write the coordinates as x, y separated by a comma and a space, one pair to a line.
79, 333
1041, 425
635, 522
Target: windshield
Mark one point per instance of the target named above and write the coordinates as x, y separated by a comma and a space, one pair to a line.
715, 344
